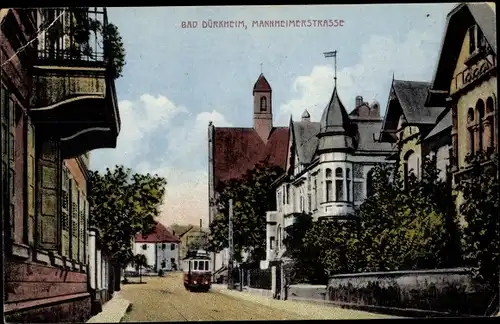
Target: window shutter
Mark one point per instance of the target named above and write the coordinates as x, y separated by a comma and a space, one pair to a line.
81, 226
65, 210
31, 182
74, 220
48, 208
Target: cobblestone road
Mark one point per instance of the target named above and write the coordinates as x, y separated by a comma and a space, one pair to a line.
165, 299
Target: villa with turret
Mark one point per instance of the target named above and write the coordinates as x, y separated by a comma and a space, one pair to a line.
328, 167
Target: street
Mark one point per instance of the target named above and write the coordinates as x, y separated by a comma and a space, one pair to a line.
165, 299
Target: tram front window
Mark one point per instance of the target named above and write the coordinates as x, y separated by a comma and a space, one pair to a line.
195, 265
206, 265
201, 265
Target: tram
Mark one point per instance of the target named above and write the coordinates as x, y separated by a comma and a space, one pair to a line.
196, 268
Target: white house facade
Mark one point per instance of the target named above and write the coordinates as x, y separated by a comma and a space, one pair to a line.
328, 171
161, 249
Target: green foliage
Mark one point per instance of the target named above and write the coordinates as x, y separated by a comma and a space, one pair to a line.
116, 49
397, 228
139, 261
84, 25
123, 204
479, 186
305, 266
252, 196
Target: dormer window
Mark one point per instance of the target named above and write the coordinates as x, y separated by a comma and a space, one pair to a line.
476, 39
263, 104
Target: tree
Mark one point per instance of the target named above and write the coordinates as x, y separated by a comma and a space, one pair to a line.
479, 209
140, 261
399, 227
253, 195
122, 205
305, 266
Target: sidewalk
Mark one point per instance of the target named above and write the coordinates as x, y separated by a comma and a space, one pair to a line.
309, 310
113, 311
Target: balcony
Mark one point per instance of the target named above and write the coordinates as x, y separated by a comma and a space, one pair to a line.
74, 96
483, 65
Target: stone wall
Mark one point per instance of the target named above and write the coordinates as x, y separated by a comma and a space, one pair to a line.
306, 292
425, 292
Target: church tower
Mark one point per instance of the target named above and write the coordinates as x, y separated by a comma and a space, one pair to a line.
262, 108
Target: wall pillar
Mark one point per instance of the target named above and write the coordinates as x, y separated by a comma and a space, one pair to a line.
99, 269
273, 280
92, 258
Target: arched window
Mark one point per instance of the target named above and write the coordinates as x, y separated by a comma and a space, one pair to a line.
408, 166
339, 184
369, 184
263, 104
470, 129
329, 185
348, 183
480, 124
490, 135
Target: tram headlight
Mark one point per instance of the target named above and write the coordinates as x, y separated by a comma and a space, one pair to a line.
206, 282
195, 282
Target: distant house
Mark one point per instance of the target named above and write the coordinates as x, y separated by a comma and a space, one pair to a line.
235, 150
161, 249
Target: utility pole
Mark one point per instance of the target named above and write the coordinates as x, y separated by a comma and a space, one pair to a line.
230, 244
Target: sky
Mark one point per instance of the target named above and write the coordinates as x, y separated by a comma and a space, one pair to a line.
176, 80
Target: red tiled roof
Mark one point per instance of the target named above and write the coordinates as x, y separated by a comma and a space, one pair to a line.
240, 149
261, 84
160, 234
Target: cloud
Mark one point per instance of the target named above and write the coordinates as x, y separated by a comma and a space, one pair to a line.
411, 59
139, 121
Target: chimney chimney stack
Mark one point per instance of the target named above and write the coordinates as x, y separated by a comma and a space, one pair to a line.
359, 101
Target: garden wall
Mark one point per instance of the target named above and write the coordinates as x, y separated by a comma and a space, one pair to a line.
415, 293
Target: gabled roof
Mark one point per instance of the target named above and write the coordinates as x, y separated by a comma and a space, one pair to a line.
335, 117
458, 21
238, 150
306, 140
410, 97
160, 234
261, 85
443, 124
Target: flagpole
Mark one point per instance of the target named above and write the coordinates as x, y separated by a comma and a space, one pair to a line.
334, 55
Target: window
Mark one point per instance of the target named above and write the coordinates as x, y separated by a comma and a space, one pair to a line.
206, 265
164, 264
315, 193
309, 202
339, 185
470, 130
172, 260
348, 183
195, 265
358, 191
271, 242
163, 246
30, 157
263, 103
329, 185
410, 166
201, 265
490, 135
480, 125
144, 246
369, 183
7, 166
172, 246
477, 41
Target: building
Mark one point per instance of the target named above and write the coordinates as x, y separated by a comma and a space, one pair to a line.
56, 107
412, 128
161, 249
234, 150
328, 170
466, 77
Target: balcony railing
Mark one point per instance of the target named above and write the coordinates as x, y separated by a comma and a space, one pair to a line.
72, 34
472, 73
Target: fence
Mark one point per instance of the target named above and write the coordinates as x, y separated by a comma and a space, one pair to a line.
258, 278
422, 293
